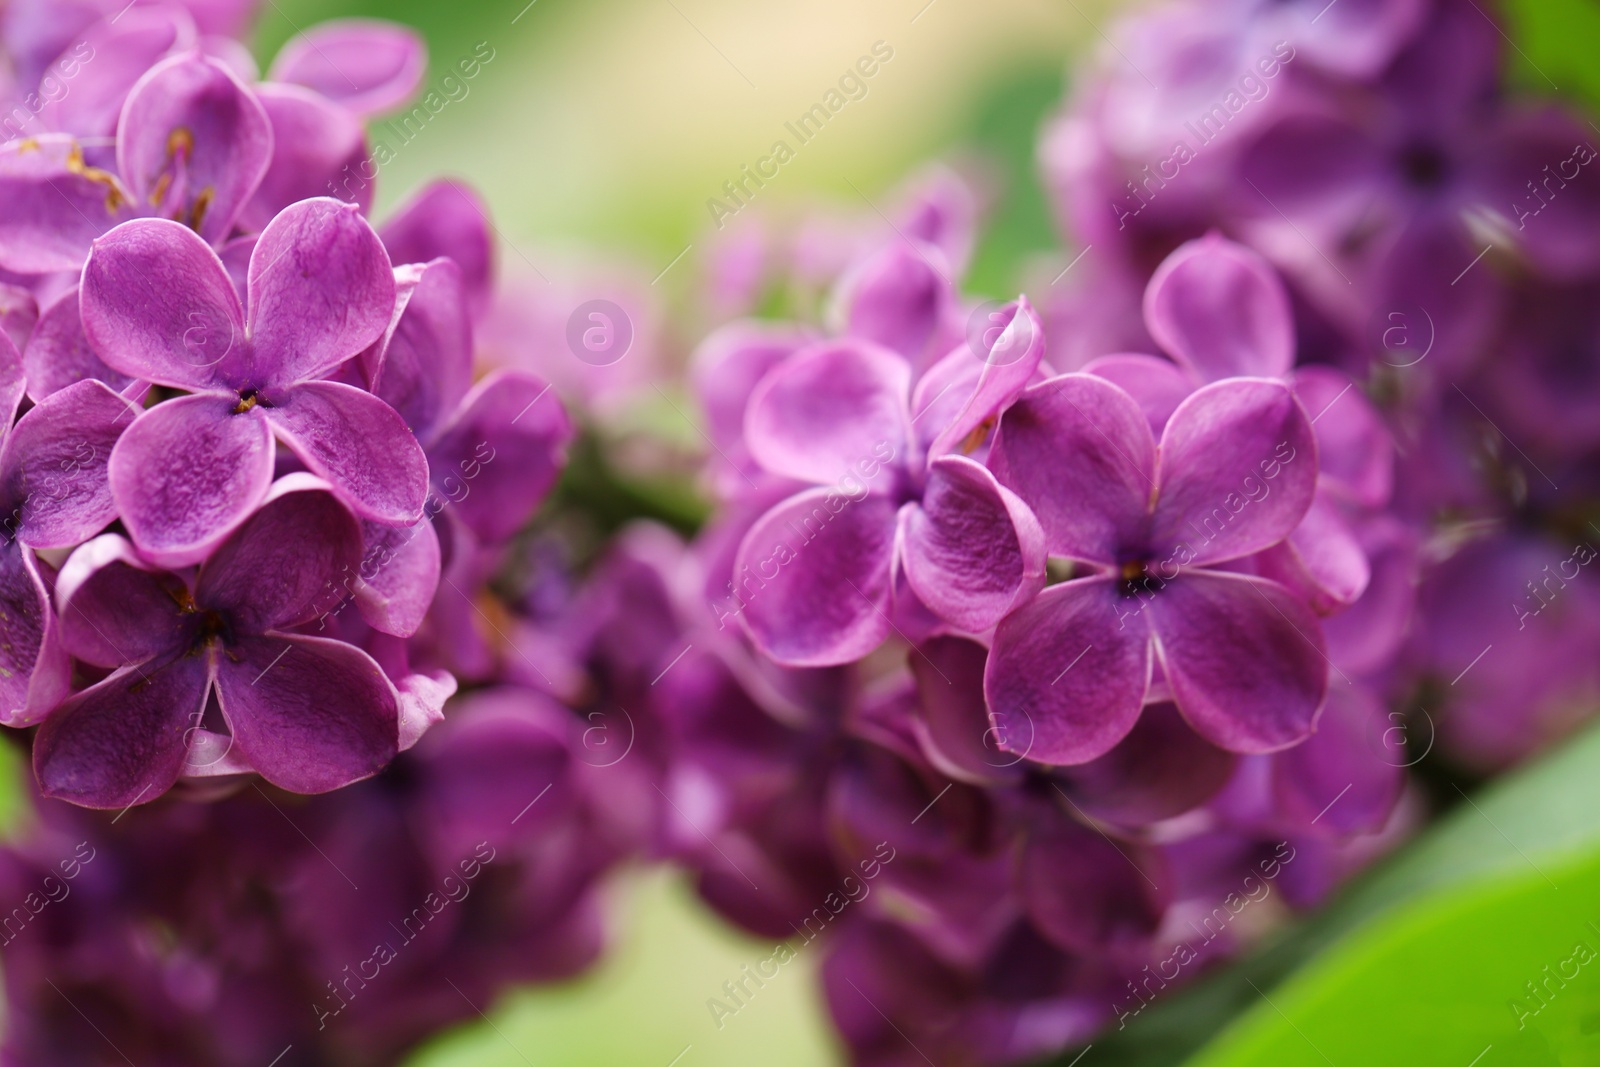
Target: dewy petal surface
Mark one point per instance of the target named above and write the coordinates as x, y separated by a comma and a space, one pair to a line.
123, 740
1079, 452
1068, 672
187, 471
310, 714
359, 444
321, 290
1237, 471
1218, 308
1245, 660
972, 548
157, 305
828, 409
813, 575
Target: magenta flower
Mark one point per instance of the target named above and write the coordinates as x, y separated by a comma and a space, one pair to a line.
308, 714
1233, 474
159, 306
192, 144
817, 574
54, 492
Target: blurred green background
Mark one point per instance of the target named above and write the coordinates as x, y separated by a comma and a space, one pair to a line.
609, 123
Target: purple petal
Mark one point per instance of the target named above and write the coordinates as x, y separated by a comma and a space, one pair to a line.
729, 364
59, 353
1158, 386
117, 55
423, 365
123, 741
188, 471
158, 306
1322, 562
287, 563
367, 65
1237, 471
446, 218
193, 143
321, 290
1219, 309
33, 663
972, 549
13, 380
812, 577
951, 721
19, 314
1315, 167
399, 575
56, 205
831, 411
1160, 770
54, 463
501, 454
1244, 659
1341, 779
1080, 453
1354, 449
318, 149
359, 444
1068, 672
1358, 38
1088, 894
1537, 168
310, 714
117, 609
899, 298
1008, 366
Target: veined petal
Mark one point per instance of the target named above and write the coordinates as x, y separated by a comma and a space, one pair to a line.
116, 608
321, 290
422, 366
813, 577
187, 472
446, 218
828, 410
123, 740
33, 663
1220, 309
318, 149
193, 144
310, 714
1079, 452
1068, 672
288, 561
157, 305
359, 444
399, 575
58, 353
56, 205
1244, 659
1237, 471
973, 550
54, 462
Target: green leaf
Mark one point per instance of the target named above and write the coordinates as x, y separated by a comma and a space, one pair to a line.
1538, 819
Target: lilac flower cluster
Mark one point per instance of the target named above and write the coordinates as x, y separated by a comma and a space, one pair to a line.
1439, 233
1095, 649
177, 583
